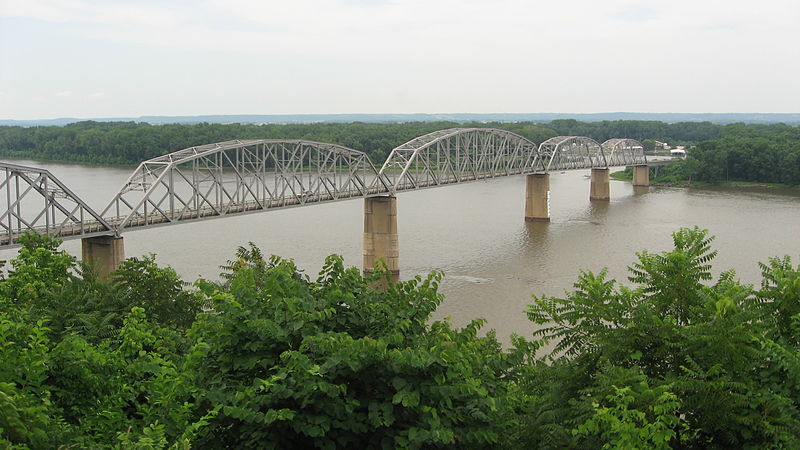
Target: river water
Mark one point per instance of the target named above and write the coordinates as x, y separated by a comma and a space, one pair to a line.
476, 233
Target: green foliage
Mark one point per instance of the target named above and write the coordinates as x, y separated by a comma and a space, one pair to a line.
39, 269
754, 153
269, 358
25, 400
159, 290
50, 284
131, 143
621, 425
75, 367
581, 320
736, 152
671, 280
334, 363
637, 129
717, 349
780, 294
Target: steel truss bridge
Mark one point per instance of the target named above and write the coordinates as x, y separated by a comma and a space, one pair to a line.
247, 176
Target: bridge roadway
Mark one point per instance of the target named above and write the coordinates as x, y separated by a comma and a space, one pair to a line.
240, 177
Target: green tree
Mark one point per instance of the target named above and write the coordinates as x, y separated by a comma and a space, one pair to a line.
334, 363
708, 344
160, 291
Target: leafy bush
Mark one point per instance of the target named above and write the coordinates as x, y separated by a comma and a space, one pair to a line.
724, 353
268, 358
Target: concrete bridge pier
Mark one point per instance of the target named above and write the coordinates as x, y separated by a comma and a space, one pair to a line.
380, 235
641, 175
104, 252
600, 188
537, 197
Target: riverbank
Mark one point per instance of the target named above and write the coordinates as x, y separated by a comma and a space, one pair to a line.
623, 175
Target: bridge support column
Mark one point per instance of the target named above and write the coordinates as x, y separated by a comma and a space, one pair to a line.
537, 197
380, 235
105, 252
641, 175
600, 189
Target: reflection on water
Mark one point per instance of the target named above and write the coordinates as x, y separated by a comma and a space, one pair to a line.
598, 211
535, 235
492, 258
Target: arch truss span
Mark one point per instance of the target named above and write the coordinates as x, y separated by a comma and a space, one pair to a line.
456, 155
572, 152
241, 176
581, 152
37, 201
624, 152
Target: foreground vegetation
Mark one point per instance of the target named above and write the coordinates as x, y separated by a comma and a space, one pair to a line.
268, 358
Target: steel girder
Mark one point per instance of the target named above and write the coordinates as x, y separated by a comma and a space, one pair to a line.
459, 154
624, 152
237, 177
37, 201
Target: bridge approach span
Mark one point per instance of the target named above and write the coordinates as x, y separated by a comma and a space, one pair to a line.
35, 200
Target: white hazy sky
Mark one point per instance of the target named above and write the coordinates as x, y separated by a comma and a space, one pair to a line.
112, 58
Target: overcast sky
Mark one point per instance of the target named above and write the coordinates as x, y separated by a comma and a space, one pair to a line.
112, 58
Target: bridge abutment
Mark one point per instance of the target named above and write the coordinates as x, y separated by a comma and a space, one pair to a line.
104, 252
600, 187
380, 235
641, 175
537, 197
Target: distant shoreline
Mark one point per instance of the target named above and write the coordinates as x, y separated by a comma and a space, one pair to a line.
717, 118
622, 176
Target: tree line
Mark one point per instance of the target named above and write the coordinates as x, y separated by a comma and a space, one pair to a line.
737, 152
130, 142
751, 153
268, 357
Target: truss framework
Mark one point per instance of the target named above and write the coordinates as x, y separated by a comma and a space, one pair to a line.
572, 152
459, 154
237, 177
624, 152
243, 176
464, 154
37, 201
